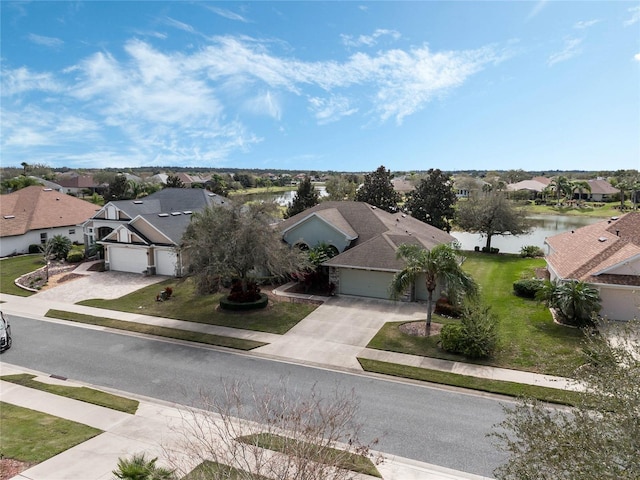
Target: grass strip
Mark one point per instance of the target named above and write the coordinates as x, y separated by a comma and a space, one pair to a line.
512, 389
83, 394
208, 470
33, 437
207, 338
317, 453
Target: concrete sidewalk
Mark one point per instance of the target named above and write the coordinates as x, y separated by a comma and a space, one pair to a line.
155, 427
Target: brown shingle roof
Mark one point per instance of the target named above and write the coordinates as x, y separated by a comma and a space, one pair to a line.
602, 187
34, 208
378, 233
588, 252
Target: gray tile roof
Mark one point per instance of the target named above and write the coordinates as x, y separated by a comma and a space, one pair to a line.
379, 233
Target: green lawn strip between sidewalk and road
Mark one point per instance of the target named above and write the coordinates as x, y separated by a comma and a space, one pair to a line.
186, 304
207, 338
209, 469
345, 460
33, 437
545, 394
14, 267
81, 393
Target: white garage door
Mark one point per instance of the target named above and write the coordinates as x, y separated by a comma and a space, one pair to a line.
165, 263
123, 259
365, 283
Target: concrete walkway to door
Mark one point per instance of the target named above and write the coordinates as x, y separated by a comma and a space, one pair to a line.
339, 329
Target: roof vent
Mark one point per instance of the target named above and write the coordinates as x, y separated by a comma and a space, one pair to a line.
9, 217
176, 213
187, 212
404, 215
614, 218
163, 214
47, 189
373, 207
138, 202
602, 239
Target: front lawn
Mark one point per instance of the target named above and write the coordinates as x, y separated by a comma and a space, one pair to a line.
529, 340
13, 267
34, 437
186, 304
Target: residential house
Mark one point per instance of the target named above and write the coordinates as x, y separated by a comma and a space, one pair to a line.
142, 235
466, 186
601, 191
76, 184
33, 215
366, 240
606, 255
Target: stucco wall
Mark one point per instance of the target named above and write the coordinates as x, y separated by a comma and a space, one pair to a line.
313, 232
20, 243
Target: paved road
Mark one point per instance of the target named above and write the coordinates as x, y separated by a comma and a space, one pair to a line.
433, 425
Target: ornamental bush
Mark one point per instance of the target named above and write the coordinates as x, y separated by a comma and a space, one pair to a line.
528, 288
75, 256
531, 251
476, 336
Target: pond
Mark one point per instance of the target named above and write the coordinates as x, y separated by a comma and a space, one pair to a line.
544, 226
285, 198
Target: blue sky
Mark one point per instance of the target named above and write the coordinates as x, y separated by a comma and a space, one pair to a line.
346, 86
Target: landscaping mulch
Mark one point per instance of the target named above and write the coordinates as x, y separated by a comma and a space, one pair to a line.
417, 329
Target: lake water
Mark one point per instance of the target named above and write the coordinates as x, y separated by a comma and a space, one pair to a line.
544, 226
285, 198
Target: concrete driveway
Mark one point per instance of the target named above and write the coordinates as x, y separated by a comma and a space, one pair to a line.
105, 285
338, 330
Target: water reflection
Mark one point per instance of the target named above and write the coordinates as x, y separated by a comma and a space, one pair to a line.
544, 226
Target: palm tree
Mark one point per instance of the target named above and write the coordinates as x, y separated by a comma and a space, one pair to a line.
440, 263
562, 187
577, 302
580, 186
140, 468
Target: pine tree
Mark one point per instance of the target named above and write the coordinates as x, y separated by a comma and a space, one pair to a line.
305, 197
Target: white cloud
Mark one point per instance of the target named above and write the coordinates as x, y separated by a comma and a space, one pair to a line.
368, 40
227, 14
51, 42
172, 22
537, 8
328, 110
168, 107
635, 16
22, 80
570, 50
582, 25
636, 57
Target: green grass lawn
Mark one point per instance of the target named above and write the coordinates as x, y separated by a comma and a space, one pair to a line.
12, 268
187, 335
186, 304
34, 437
529, 340
84, 394
588, 209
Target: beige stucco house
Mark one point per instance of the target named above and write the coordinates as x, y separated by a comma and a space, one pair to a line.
605, 255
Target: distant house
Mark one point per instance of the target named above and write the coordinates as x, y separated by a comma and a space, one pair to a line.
601, 191
366, 240
33, 215
530, 185
75, 184
465, 186
605, 255
402, 185
142, 236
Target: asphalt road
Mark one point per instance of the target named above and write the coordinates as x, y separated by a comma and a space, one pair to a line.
434, 425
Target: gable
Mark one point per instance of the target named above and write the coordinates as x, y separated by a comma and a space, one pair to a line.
122, 234
315, 229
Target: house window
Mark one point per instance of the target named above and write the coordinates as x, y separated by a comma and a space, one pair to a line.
72, 231
43, 237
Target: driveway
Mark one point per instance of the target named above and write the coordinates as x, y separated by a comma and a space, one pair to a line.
105, 285
338, 330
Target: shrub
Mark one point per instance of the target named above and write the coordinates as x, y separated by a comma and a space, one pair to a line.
451, 337
75, 256
531, 251
476, 336
239, 294
528, 288
34, 248
576, 303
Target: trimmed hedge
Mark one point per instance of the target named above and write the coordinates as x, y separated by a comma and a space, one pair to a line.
528, 288
227, 304
75, 256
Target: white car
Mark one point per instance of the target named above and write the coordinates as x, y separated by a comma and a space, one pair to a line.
5, 333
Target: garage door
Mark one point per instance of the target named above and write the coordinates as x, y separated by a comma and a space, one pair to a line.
123, 259
165, 263
365, 283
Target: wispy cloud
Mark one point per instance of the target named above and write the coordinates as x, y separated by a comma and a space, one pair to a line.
537, 8
172, 22
45, 41
228, 14
169, 107
635, 16
328, 110
570, 50
636, 57
368, 40
582, 25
